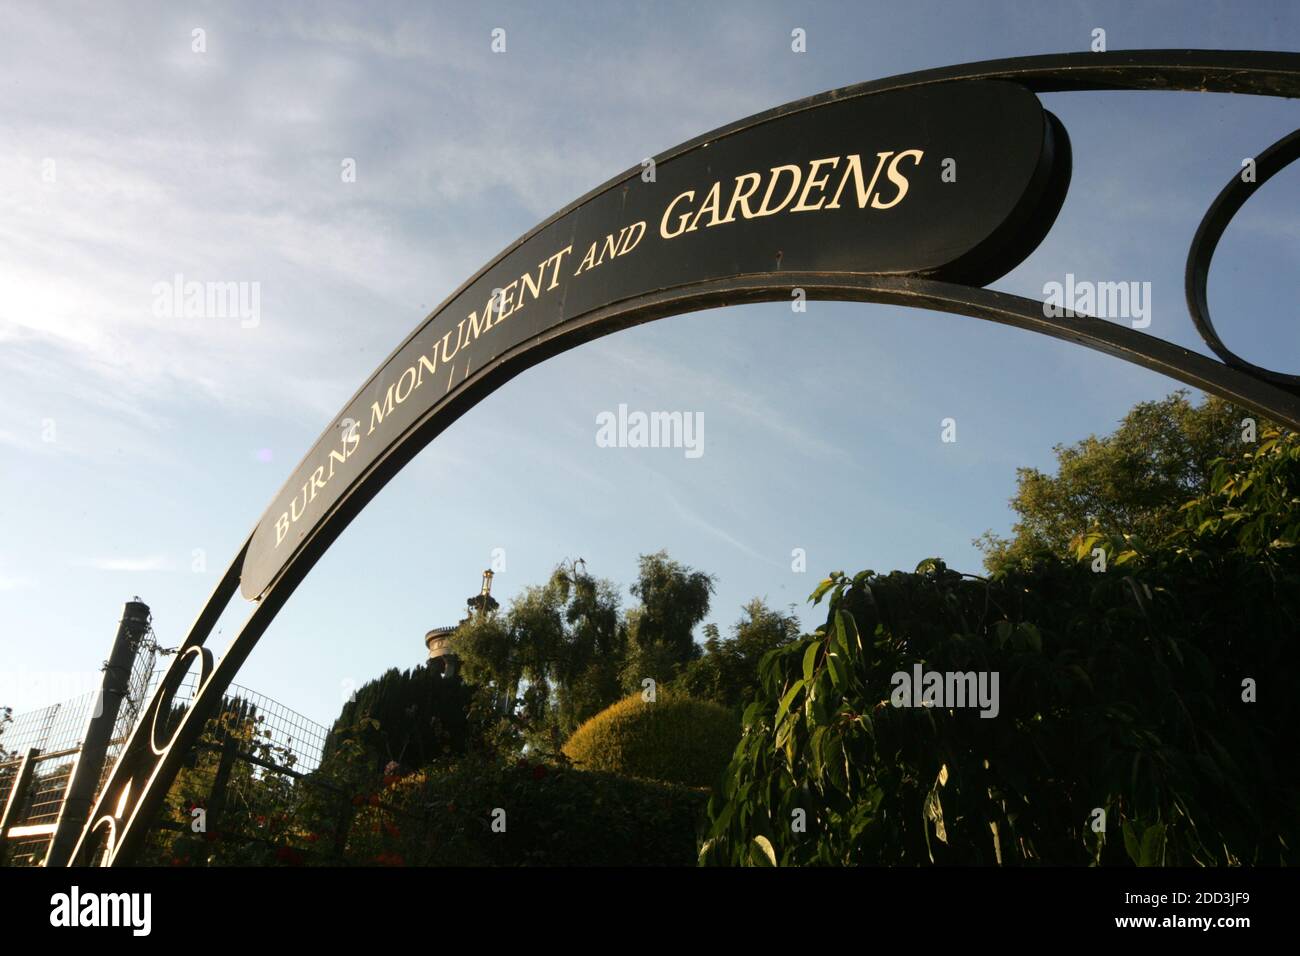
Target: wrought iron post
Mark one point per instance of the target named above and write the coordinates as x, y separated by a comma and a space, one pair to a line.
88, 769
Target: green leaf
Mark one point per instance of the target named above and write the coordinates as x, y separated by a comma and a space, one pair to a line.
1131, 844
841, 637
810, 660
1153, 845
788, 699
704, 850
768, 854
1033, 639
838, 673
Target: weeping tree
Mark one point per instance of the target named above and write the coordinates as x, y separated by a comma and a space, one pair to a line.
552, 659
661, 631
563, 651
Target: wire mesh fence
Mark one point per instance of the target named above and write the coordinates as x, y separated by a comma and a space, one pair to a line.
265, 746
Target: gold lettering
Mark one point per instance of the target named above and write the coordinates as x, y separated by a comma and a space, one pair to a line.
795, 171
710, 204
445, 356
611, 245
376, 414
335, 455
742, 199
316, 481
526, 282
293, 505
897, 178
424, 363
557, 258
507, 307
854, 168
588, 261
633, 238
474, 327
689, 196
814, 183
400, 397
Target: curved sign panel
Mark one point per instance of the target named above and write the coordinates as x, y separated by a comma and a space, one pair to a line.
957, 182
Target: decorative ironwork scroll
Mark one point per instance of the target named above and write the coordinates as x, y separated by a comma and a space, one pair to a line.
840, 195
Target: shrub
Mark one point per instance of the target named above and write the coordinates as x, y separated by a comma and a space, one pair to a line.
1150, 697
413, 717
445, 816
675, 738
1120, 694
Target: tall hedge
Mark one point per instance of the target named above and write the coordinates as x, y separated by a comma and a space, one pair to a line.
674, 738
421, 717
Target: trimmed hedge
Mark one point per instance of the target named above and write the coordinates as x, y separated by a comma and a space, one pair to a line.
543, 816
676, 739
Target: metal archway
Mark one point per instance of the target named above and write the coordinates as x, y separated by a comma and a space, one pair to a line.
1015, 153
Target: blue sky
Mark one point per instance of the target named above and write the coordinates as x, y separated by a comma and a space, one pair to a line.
130, 442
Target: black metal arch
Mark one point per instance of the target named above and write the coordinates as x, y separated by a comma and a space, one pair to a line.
133, 792
1234, 195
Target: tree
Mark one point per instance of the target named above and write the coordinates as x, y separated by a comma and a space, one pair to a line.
421, 716
727, 672
563, 651
1128, 728
589, 673
661, 632
1130, 482
552, 659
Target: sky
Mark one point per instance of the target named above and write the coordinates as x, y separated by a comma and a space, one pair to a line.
137, 449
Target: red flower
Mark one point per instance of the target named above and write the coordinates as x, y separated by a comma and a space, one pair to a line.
390, 859
451, 807
374, 799
358, 800
392, 830
312, 837
539, 772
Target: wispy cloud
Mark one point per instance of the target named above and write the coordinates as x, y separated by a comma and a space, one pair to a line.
693, 517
